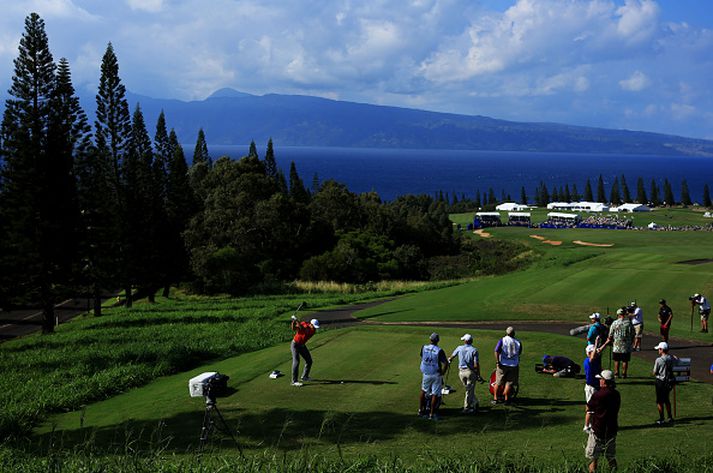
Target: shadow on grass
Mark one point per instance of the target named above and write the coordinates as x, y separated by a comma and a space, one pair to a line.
381, 314
149, 321
348, 381
678, 422
287, 429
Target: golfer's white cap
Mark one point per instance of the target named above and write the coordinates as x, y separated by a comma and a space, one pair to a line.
632, 304
595, 316
661, 346
696, 296
467, 337
589, 349
314, 322
605, 375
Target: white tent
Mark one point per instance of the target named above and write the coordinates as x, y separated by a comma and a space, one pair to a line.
562, 215
631, 208
652, 226
510, 206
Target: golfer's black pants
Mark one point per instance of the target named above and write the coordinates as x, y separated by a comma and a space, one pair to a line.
300, 350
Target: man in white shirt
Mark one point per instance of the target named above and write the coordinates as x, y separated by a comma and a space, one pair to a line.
704, 309
507, 373
636, 315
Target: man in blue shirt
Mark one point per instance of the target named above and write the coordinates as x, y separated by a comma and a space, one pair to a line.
468, 371
433, 364
592, 367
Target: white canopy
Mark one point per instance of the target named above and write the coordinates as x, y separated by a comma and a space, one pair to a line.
519, 214
487, 214
631, 208
652, 225
510, 206
563, 215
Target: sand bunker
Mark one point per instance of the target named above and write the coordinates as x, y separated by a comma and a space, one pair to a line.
552, 242
482, 233
599, 245
537, 237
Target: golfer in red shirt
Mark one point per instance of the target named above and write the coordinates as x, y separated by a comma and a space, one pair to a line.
303, 332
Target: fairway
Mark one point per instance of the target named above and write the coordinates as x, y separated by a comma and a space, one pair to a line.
364, 400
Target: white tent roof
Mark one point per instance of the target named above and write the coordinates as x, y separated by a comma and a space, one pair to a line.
510, 206
562, 215
487, 214
652, 225
519, 214
633, 208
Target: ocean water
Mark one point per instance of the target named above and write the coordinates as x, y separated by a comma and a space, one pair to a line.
394, 172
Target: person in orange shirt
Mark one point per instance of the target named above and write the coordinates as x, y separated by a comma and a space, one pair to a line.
303, 332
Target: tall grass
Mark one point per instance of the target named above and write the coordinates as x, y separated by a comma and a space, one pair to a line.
392, 287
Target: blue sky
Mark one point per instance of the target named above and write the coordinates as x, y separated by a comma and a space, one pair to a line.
634, 64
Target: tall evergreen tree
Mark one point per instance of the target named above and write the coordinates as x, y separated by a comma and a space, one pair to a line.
707, 196
567, 193
655, 199
625, 193
523, 196
575, 193
162, 150
641, 192
112, 129
202, 164
271, 163
614, 196
30, 192
668, 198
601, 194
492, 200
297, 187
588, 197
555, 194
252, 152
544, 194
685, 194
478, 202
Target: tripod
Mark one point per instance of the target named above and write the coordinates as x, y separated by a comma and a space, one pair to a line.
213, 420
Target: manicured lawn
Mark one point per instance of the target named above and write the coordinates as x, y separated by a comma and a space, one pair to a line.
373, 411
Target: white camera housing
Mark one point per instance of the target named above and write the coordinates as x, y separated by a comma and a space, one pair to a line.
197, 386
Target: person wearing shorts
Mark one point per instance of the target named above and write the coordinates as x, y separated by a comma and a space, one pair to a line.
636, 314
704, 309
621, 338
433, 364
602, 418
507, 372
663, 371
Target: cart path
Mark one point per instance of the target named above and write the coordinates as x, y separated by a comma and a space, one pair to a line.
700, 352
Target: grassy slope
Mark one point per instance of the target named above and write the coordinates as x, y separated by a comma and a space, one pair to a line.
373, 412
571, 281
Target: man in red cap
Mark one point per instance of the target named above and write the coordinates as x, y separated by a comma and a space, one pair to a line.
303, 332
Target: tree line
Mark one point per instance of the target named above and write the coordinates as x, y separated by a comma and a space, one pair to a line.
96, 208
619, 193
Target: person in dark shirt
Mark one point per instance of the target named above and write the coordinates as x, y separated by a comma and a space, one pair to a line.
665, 316
603, 418
560, 366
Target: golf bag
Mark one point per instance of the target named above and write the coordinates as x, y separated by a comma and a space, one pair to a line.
493, 377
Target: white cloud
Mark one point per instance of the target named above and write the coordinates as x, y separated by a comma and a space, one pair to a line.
637, 82
151, 6
682, 111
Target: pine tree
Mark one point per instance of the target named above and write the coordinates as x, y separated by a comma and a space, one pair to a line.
655, 200
685, 195
601, 194
478, 202
202, 164
555, 194
567, 194
707, 197
614, 196
492, 200
575, 193
545, 194
297, 188
162, 150
668, 198
28, 188
112, 129
523, 196
588, 197
625, 193
641, 192
252, 152
271, 163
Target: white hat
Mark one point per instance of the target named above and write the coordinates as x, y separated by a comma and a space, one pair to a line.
696, 296
606, 375
510, 331
314, 322
661, 346
467, 337
620, 312
595, 316
589, 349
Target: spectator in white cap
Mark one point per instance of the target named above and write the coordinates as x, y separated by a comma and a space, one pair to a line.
637, 320
704, 309
597, 331
602, 421
592, 367
663, 371
468, 371
303, 332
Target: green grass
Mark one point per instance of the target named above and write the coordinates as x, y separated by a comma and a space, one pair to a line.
373, 411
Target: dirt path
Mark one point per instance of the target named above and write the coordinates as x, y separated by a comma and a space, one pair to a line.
701, 353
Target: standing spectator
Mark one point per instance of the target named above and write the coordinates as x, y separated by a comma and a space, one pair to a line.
704, 309
603, 417
592, 367
596, 330
665, 317
468, 371
663, 370
637, 320
507, 358
303, 332
621, 337
433, 364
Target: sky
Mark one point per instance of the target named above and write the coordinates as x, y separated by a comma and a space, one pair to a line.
625, 64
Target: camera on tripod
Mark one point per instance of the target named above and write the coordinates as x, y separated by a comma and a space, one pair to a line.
210, 385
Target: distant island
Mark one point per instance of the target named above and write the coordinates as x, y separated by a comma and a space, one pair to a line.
230, 117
